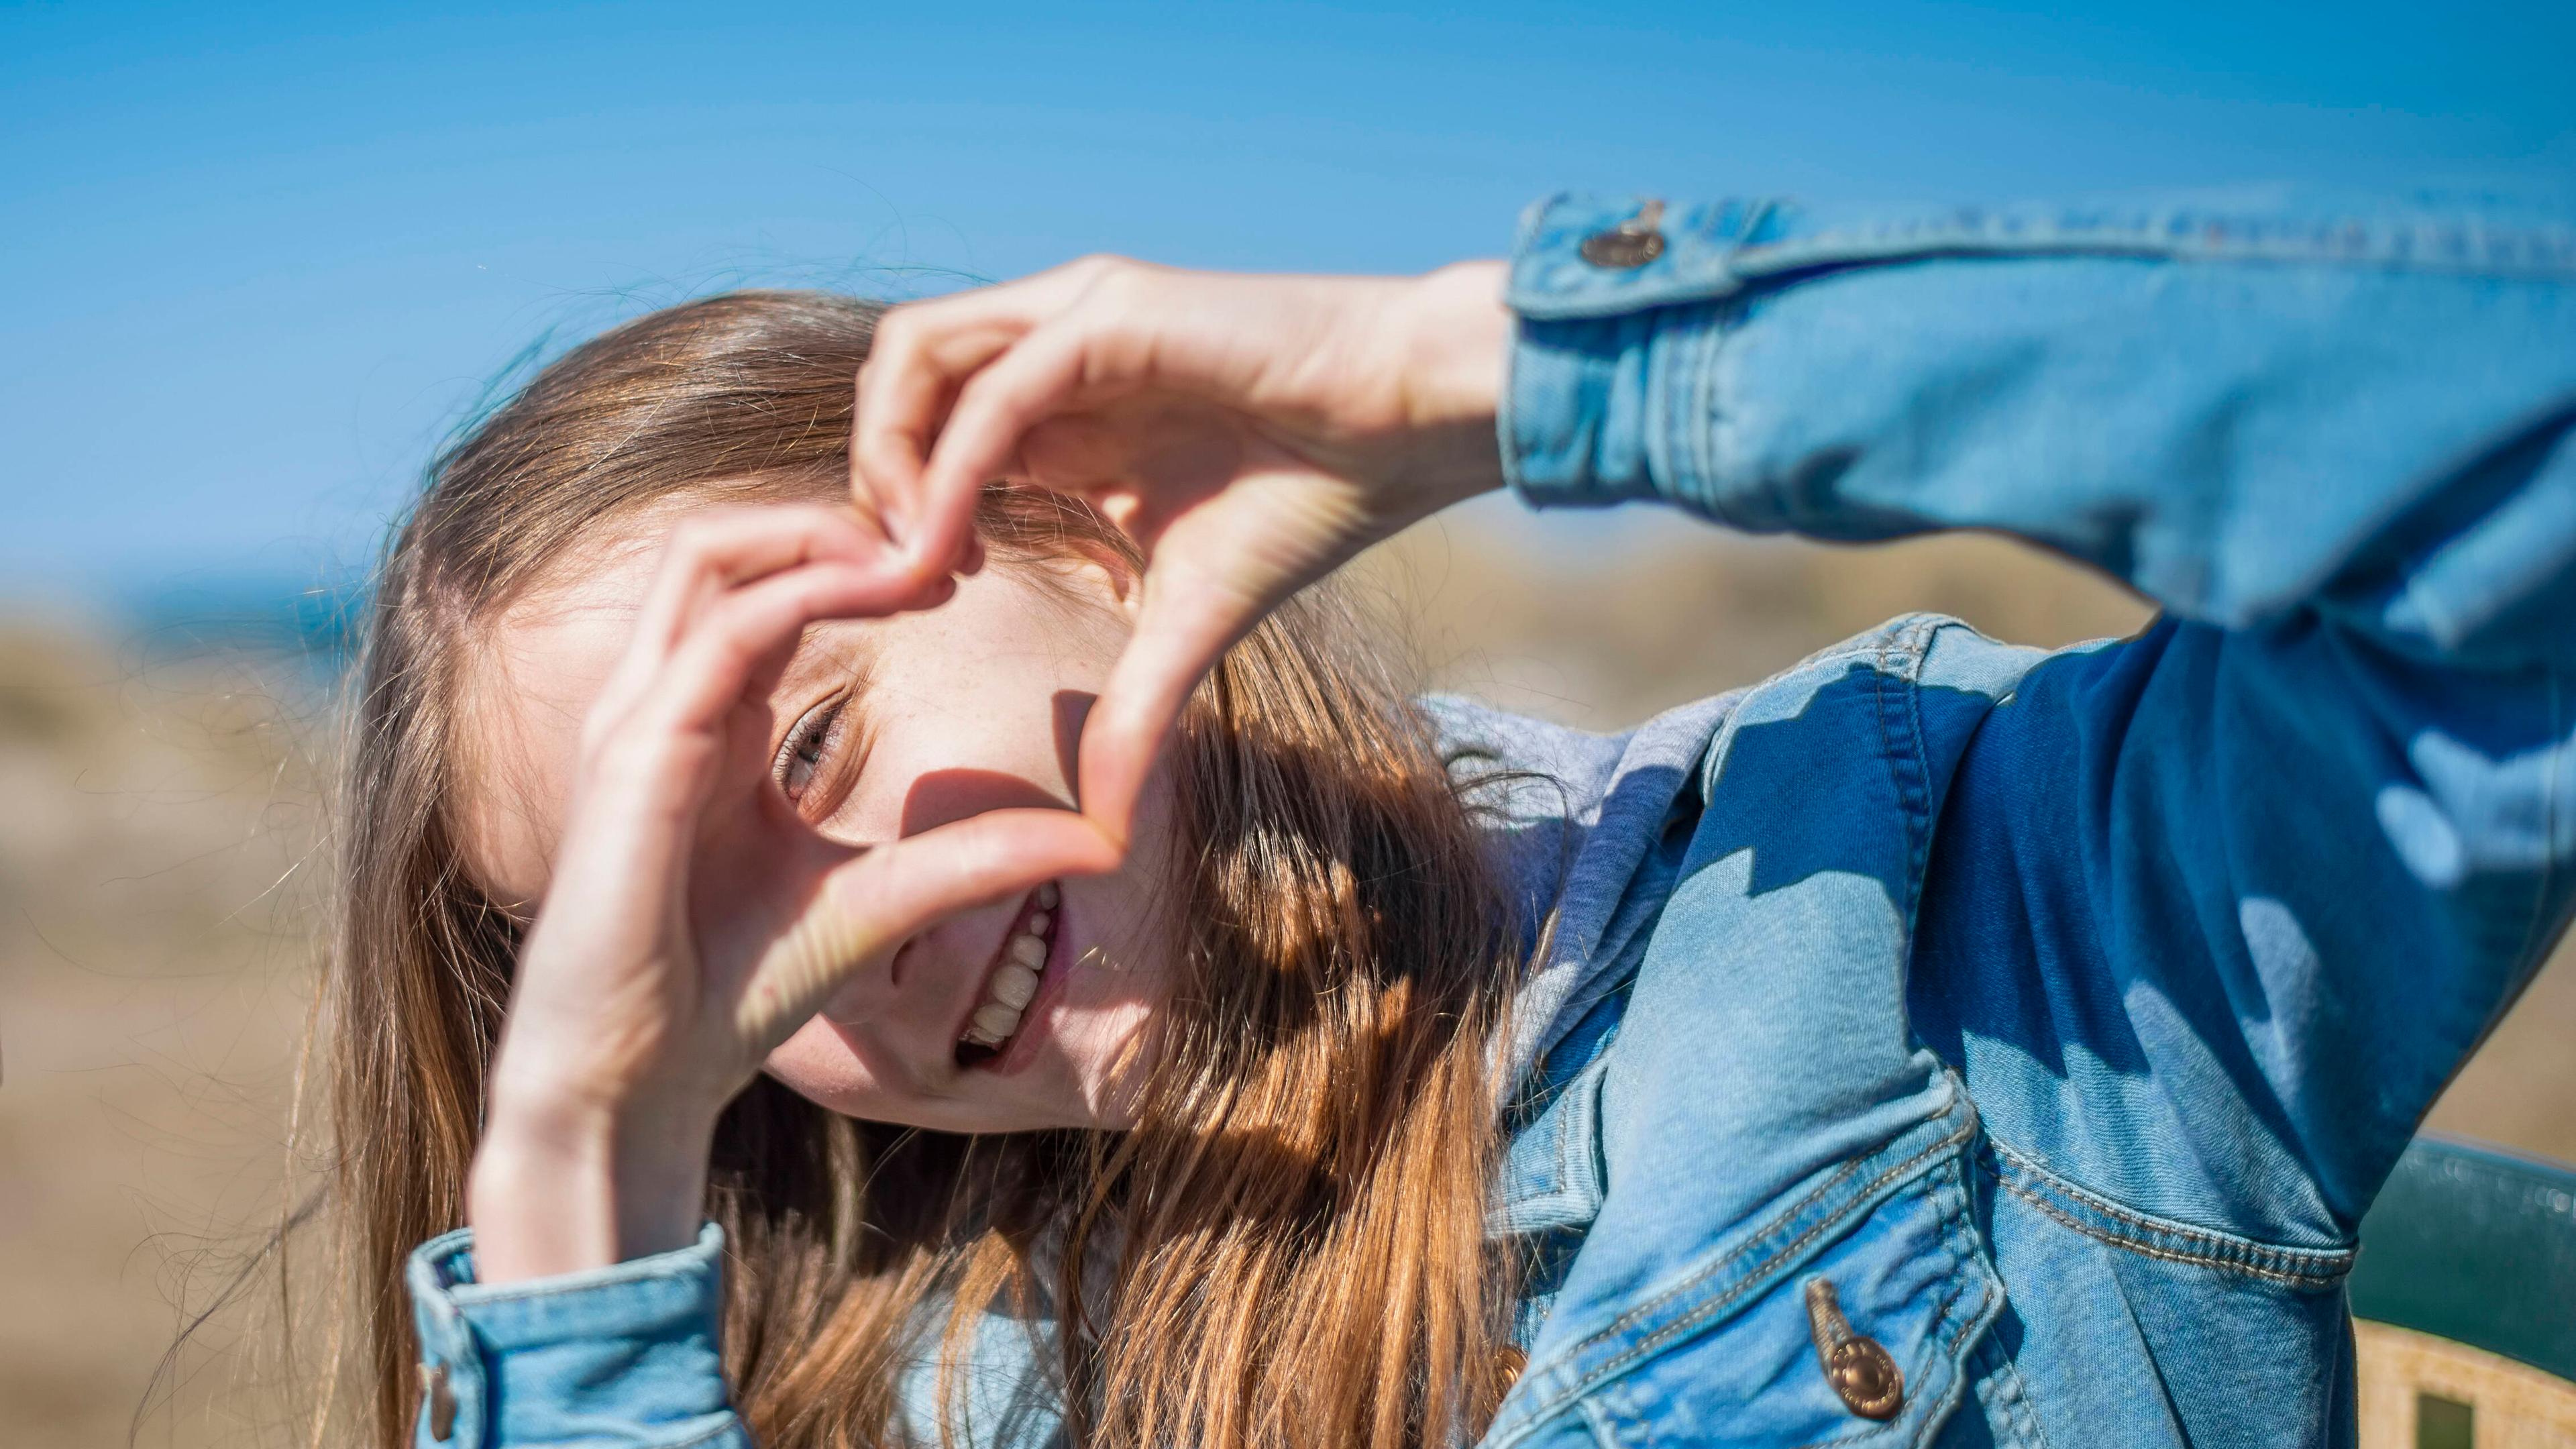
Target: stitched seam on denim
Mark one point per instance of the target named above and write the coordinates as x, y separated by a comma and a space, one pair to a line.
1510, 1218
1701, 413
1524, 1219
2303, 1281
1899, 666
2306, 1281
1868, 648
1871, 646
1567, 1135
2222, 1243
2223, 1248
1936, 1347
1691, 1320
1916, 801
1880, 686
1970, 1248
1596, 1418
2548, 251
2295, 1262
1966, 1265
2013, 1394
1814, 1195
1668, 351
502, 1293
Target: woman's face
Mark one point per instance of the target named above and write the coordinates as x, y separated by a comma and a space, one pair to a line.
1028, 1014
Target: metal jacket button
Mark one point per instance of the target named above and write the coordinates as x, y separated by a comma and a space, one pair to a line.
1863, 1376
1630, 244
438, 1401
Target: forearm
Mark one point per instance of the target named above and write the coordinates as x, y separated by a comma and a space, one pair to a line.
560, 1184
2226, 409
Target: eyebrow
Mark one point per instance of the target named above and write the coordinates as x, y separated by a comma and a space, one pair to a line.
847, 656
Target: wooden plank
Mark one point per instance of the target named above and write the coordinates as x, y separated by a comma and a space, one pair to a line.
2514, 1406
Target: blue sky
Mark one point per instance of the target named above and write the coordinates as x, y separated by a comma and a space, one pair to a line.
259, 259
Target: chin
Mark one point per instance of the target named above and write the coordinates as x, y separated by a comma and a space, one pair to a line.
1084, 1066
832, 1076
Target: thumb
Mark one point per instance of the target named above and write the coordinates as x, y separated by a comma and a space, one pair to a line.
870, 906
1182, 628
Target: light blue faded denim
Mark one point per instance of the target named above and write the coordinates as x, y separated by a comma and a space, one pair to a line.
2063, 1011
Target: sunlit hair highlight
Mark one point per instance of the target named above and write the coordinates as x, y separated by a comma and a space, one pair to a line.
1288, 1249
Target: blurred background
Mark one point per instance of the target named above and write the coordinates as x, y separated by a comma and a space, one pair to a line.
259, 262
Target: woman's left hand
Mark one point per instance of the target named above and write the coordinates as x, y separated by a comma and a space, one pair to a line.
1250, 433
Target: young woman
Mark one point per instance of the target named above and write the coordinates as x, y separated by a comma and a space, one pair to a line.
777, 925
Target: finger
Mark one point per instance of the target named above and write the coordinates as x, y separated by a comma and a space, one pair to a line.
744, 638
645, 783
922, 354
709, 552
905, 391
1040, 374
870, 906
1077, 452
1181, 629
718, 548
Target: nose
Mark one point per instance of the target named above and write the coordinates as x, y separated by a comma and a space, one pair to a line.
761, 888
870, 995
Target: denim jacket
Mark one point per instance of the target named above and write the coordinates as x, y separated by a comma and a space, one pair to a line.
1948, 1043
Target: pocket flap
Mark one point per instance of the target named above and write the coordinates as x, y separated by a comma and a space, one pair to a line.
1846, 1316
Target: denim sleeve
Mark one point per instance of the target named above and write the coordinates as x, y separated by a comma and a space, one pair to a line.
622, 1357
2213, 913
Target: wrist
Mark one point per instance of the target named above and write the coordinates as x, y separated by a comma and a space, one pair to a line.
1456, 349
562, 1183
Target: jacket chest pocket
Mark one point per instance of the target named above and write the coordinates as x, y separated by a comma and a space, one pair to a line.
1852, 1314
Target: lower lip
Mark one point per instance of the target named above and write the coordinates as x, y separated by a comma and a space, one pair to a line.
1022, 1047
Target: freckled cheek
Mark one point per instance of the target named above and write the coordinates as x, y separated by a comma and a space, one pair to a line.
1016, 717
1112, 1049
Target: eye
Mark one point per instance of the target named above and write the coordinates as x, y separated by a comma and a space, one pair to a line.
800, 755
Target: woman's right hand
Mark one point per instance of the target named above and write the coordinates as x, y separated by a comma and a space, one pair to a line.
1250, 433
662, 969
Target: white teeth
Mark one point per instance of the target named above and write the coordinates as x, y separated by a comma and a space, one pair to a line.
1015, 981
1013, 985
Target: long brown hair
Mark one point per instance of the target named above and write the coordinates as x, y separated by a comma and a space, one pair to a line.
1287, 1250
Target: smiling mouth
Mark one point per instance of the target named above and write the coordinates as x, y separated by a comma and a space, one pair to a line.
1012, 982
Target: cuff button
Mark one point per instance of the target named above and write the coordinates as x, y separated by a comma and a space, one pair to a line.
1629, 245
437, 1401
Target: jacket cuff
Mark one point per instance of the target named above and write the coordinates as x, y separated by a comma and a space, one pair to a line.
1611, 395
625, 1355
